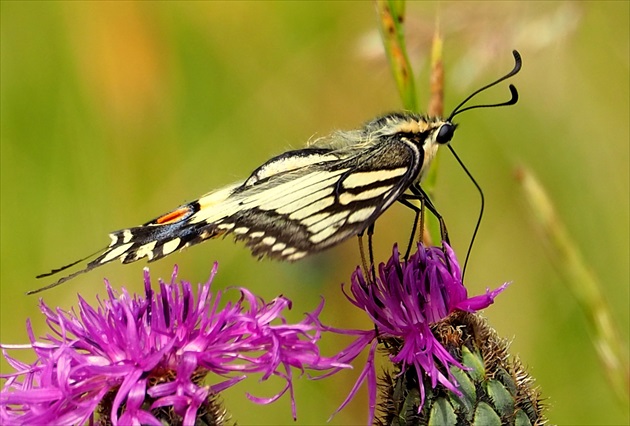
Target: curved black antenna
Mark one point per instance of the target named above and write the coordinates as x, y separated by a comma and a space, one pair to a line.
518, 62
483, 204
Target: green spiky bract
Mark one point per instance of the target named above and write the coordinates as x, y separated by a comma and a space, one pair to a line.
495, 388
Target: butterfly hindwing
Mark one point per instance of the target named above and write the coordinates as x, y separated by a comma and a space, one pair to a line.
284, 214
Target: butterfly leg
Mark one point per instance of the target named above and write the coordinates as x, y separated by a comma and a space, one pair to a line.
419, 192
421, 195
370, 234
368, 267
419, 218
372, 270
362, 252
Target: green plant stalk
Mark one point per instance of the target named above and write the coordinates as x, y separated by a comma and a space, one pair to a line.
391, 15
436, 109
582, 283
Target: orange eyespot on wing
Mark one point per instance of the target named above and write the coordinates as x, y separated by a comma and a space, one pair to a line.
174, 216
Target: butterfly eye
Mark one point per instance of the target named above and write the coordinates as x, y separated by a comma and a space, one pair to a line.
445, 134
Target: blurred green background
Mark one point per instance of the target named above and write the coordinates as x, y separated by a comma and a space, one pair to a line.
115, 112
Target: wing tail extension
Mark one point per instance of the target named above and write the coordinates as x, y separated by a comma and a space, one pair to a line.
154, 240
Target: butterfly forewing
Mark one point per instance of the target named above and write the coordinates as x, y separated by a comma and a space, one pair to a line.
285, 214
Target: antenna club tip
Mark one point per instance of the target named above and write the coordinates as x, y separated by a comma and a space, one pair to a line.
514, 93
518, 61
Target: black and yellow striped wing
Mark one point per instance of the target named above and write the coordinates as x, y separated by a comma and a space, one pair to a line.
303, 201
297, 203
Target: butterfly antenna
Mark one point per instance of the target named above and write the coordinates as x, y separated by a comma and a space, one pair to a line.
518, 63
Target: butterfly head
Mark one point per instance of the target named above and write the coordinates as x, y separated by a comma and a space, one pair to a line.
437, 132
416, 128
445, 133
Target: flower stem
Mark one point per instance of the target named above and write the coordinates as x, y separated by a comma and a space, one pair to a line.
436, 109
582, 283
391, 15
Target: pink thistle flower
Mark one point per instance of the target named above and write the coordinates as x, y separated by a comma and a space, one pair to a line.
130, 358
406, 299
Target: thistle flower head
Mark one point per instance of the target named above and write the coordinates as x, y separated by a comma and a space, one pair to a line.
494, 387
408, 297
134, 356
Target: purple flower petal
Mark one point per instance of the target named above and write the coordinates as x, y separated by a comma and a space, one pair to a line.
157, 348
406, 299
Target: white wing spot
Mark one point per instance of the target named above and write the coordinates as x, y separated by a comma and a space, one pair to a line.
297, 255
289, 251
241, 230
256, 234
114, 239
170, 246
116, 252
278, 247
268, 241
127, 235
146, 250
226, 226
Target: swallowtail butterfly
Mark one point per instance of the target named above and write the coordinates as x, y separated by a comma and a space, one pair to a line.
302, 201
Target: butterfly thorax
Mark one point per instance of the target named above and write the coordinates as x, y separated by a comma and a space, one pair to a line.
425, 133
